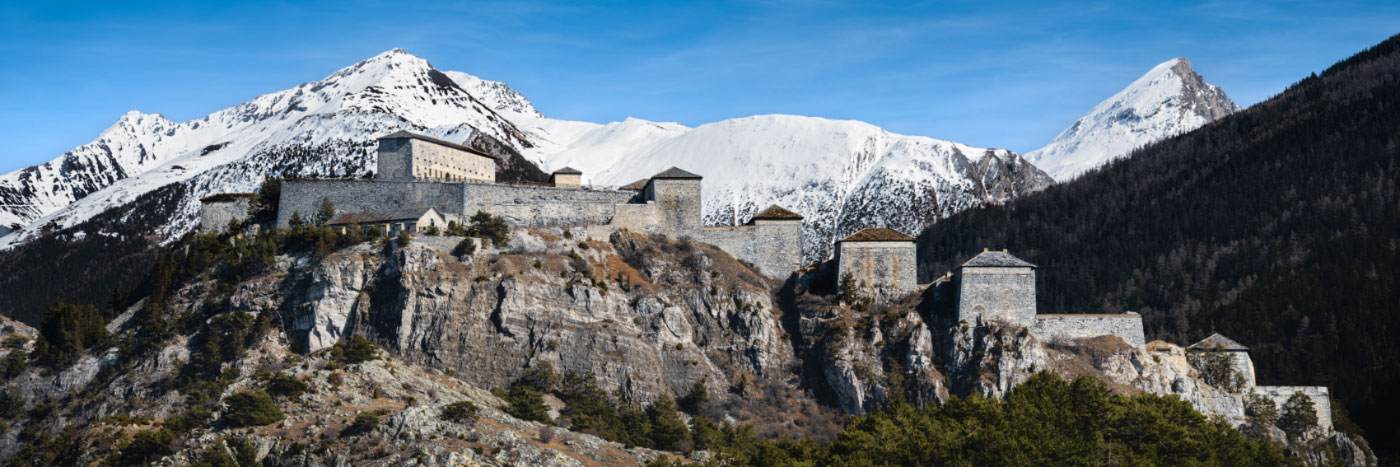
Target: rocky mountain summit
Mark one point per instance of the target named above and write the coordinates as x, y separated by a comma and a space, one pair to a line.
1168, 100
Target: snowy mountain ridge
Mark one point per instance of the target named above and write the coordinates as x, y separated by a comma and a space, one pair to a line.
842, 175
1168, 100
391, 91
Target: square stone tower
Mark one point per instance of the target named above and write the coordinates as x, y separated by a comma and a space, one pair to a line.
996, 286
677, 196
880, 260
405, 156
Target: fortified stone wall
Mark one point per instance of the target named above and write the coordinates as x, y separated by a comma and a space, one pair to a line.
878, 265
394, 160
539, 206
1127, 326
774, 247
997, 294
1240, 362
670, 206
679, 203
304, 196
215, 215
1321, 400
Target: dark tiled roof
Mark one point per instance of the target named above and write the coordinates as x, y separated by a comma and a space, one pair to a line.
401, 134
568, 171
675, 173
878, 234
638, 185
227, 197
1217, 342
776, 212
401, 214
997, 259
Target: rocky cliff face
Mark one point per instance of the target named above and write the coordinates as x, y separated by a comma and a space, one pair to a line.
647, 315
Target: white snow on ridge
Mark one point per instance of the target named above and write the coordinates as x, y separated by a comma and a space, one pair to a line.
810, 165
388, 92
1168, 100
841, 175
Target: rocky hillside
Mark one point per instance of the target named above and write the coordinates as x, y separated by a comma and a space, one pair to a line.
1170, 99
649, 320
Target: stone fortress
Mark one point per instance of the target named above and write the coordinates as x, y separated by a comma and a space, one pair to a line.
422, 182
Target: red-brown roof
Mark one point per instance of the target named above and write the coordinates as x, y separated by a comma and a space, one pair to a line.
776, 212
401, 134
878, 234
227, 197
675, 173
402, 214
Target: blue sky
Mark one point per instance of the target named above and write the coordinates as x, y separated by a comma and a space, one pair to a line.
1006, 75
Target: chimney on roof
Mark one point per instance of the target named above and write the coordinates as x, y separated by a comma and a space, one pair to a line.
984, 250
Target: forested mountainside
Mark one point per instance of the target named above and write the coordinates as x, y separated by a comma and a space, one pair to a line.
1278, 226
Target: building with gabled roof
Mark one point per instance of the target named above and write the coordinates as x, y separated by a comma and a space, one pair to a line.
879, 260
996, 286
405, 155
410, 219
567, 177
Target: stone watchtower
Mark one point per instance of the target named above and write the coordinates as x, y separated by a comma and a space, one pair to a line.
1237, 353
677, 196
879, 260
996, 286
405, 156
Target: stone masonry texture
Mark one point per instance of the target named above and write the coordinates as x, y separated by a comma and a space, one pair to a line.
1127, 326
215, 215
997, 294
888, 267
1321, 400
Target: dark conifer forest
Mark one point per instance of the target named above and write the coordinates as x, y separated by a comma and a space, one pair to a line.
1278, 226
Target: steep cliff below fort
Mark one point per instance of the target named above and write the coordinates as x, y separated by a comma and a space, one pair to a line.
649, 317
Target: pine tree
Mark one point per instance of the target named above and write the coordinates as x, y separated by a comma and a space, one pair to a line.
1299, 416
326, 212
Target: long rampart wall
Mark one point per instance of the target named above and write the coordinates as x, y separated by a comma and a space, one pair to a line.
774, 248
541, 206
1127, 326
304, 196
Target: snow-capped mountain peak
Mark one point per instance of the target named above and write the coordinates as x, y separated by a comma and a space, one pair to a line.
841, 175
1168, 100
391, 91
